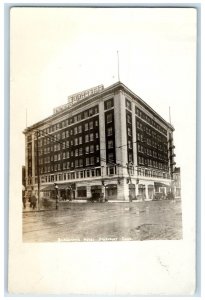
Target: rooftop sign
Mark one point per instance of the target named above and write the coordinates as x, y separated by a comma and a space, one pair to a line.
79, 96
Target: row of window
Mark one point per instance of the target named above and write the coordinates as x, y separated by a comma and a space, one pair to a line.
89, 161
152, 163
152, 133
151, 152
72, 175
152, 143
145, 117
67, 154
152, 173
65, 134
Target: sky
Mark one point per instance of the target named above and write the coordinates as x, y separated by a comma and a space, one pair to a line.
55, 52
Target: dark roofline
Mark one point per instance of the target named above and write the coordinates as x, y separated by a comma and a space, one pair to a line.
107, 90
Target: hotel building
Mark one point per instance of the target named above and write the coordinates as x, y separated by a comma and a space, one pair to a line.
104, 141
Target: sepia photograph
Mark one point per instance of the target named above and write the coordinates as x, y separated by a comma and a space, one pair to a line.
102, 131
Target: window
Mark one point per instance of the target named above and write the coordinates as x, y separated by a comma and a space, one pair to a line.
110, 144
91, 125
86, 138
130, 159
87, 150
76, 152
67, 133
129, 131
76, 163
92, 160
91, 137
80, 140
129, 144
87, 161
129, 119
82, 193
97, 135
96, 122
79, 128
98, 172
91, 148
75, 130
109, 131
85, 114
81, 162
109, 118
97, 159
108, 104
128, 104
91, 112
76, 141
110, 157
86, 126
80, 151
97, 147
111, 170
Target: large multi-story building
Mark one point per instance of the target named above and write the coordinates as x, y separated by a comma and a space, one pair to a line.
104, 141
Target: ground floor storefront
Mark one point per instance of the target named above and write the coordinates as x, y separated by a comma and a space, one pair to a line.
115, 189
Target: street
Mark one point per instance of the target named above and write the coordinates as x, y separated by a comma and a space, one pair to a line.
72, 222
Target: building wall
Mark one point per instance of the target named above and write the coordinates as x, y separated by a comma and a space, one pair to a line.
113, 141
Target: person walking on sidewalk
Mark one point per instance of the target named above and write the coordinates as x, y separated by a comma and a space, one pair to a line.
33, 201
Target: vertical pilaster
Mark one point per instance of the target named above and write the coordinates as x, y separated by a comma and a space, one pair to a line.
102, 138
134, 138
120, 131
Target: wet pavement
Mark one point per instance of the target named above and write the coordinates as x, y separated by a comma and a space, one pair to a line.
154, 220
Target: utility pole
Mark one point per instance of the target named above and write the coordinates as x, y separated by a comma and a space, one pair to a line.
38, 176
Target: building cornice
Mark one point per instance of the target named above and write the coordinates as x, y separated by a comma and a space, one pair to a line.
116, 87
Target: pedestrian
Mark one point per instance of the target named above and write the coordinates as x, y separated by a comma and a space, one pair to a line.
24, 200
33, 201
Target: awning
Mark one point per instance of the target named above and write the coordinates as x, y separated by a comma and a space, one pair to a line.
96, 187
48, 188
160, 184
52, 187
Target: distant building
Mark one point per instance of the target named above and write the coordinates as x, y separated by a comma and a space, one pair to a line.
103, 141
177, 183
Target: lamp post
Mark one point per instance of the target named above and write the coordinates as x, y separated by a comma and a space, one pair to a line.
56, 188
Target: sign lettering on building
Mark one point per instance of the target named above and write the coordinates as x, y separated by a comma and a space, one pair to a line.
79, 96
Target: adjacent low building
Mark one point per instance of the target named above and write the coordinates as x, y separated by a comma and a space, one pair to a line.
104, 142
